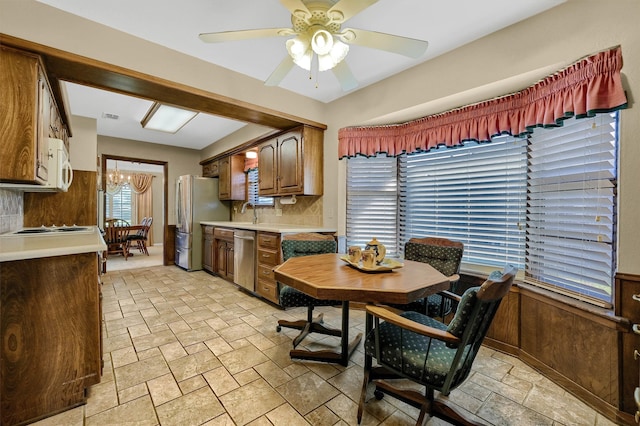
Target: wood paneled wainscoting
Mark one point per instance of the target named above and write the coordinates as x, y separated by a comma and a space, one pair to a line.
585, 349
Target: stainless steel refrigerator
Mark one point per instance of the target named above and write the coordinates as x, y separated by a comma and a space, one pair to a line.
196, 201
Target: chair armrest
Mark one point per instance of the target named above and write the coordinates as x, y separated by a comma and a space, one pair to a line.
453, 278
450, 295
393, 318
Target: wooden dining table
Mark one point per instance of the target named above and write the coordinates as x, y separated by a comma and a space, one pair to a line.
328, 276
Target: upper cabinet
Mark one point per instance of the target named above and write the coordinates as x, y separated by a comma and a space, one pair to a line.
232, 178
210, 169
29, 116
292, 163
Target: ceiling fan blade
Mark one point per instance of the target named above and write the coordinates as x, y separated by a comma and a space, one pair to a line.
406, 46
345, 76
297, 8
280, 72
346, 9
244, 34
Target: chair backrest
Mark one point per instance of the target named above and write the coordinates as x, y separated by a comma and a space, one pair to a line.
472, 320
443, 254
306, 244
147, 226
116, 234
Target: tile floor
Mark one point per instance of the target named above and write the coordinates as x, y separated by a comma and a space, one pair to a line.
186, 348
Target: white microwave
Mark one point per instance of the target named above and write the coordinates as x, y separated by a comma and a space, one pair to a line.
60, 173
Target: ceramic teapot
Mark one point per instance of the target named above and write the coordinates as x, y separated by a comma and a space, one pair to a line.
379, 248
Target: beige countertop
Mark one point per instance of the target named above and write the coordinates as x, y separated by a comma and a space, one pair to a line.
32, 246
271, 227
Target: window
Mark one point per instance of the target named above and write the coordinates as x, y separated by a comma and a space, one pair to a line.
372, 202
475, 194
252, 190
119, 205
544, 203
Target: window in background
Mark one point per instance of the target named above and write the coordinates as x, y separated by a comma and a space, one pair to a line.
372, 202
252, 190
119, 205
475, 194
546, 204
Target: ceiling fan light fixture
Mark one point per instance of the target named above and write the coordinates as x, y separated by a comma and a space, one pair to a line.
322, 42
300, 52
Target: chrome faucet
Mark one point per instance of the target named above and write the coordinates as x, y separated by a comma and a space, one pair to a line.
255, 212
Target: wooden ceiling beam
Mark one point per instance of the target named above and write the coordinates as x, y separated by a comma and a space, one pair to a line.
65, 66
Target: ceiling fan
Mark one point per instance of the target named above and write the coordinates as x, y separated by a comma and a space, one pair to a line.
319, 42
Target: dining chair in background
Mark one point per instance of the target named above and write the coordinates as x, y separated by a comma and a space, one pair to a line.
141, 237
413, 346
444, 255
305, 244
116, 233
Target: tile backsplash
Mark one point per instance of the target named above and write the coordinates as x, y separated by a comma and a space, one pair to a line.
11, 210
306, 211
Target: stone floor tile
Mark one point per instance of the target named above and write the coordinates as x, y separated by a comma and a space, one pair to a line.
262, 396
307, 392
163, 389
192, 365
193, 408
286, 415
139, 412
101, 397
191, 384
172, 351
499, 410
141, 371
221, 381
241, 359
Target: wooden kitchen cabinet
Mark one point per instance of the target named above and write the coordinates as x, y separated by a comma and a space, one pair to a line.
224, 253
208, 248
292, 163
232, 178
210, 169
50, 326
24, 92
269, 256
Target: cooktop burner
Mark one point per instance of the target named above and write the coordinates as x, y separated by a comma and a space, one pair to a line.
53, 230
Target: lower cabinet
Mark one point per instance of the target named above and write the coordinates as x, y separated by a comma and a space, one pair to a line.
50, 328
208, 249
224, 252
268, 257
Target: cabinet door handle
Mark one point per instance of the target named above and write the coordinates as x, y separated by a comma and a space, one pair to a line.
636, 354
636, 297
636, 328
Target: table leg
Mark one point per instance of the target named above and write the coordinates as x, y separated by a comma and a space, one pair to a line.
346, 348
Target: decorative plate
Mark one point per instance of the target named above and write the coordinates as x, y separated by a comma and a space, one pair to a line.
387, 265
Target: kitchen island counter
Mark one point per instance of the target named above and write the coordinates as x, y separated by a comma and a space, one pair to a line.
34, 246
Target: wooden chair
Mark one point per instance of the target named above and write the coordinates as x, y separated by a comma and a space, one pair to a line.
444, 255
410, 345
116, 234
141, 236
305, 244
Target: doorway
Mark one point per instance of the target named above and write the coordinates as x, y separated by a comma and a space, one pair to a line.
167, 243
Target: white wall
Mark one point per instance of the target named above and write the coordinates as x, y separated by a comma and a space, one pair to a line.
83, 145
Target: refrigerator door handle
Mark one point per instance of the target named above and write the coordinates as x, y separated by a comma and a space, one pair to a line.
178, 201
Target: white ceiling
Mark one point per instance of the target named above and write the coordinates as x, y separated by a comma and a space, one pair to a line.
446, 25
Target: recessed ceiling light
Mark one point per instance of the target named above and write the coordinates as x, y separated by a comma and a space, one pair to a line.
166, 118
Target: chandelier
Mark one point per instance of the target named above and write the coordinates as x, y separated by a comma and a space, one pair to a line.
116, 180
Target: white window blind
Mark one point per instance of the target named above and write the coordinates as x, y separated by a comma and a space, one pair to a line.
372, 202
475, 194
120, 204
571, 206
252, 190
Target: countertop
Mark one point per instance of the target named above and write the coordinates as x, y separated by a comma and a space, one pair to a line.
32, 246
271, 227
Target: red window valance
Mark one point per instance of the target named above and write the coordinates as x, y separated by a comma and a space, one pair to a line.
589, 86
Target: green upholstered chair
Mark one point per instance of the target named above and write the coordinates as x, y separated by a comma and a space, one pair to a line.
445, 256
413, 346
305, 244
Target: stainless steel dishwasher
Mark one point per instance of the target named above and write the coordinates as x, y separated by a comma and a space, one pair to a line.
244, 260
